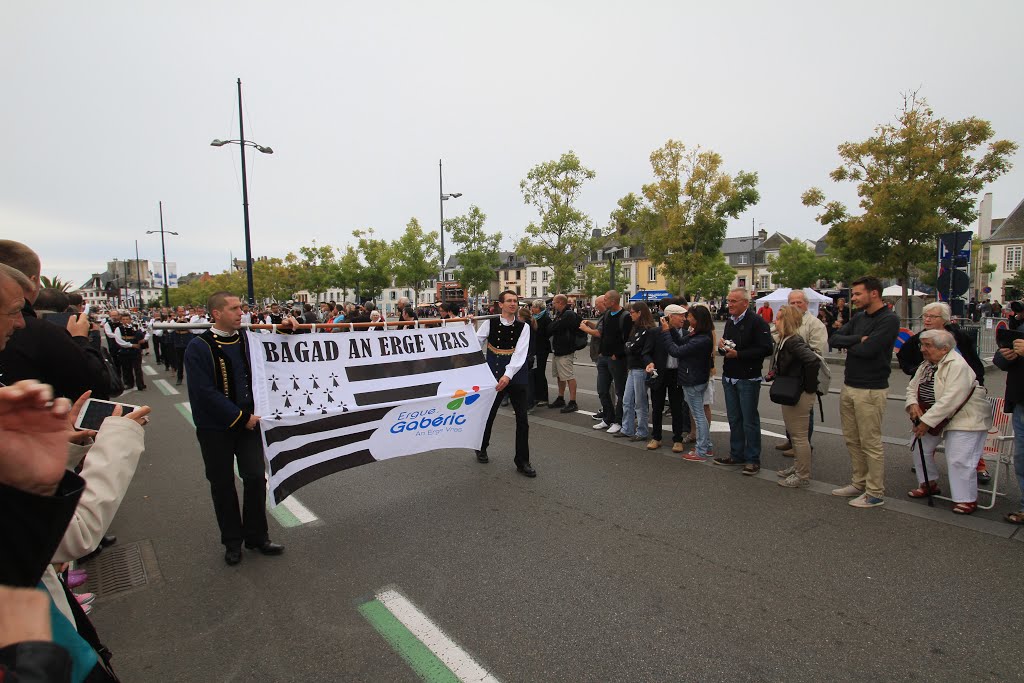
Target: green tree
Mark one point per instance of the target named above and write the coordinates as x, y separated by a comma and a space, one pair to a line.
276, 279
917, 178
378, 258
55, 283
478, 251
597, 279
796, 266
712, 278
316, 268
680, 219
563, 231
1015, 284
417, 257
349, 271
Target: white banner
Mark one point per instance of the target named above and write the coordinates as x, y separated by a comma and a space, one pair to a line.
157, 275
330, 401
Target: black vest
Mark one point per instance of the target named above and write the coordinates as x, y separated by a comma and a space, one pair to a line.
501, 344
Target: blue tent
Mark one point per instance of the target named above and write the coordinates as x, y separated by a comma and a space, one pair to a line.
651, 295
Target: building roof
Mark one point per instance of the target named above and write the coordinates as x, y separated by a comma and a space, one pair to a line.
775, 241
1009, 229
739, 245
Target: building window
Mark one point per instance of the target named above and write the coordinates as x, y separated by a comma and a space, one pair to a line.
1013, 259
533, 291
533, 276
519, 290
742, 284
766, 281
652, 274
519, 275
625, 252
393, 295
741, 260
579, 268
579, 285
545, 277
506, 276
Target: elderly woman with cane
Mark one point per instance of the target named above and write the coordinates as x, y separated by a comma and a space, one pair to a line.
945, 402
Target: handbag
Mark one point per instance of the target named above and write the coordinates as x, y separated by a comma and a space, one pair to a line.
938, 429
785, 390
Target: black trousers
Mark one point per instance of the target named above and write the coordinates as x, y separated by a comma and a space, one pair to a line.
179, 361
167, 345
540, 379
131, 370
158, 348
220, 450
517, 394
680, 411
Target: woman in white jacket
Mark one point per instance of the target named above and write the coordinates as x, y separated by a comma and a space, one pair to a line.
945, 389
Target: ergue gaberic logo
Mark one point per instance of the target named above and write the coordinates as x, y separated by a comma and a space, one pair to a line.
461, 396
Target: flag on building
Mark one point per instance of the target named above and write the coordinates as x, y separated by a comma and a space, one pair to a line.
333, 401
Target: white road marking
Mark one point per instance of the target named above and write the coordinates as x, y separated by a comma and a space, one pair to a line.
166, 387
444, 648
715, 426
148, 369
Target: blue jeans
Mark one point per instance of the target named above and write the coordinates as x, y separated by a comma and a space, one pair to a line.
741, 400
694, 397
1018, 448
634, 400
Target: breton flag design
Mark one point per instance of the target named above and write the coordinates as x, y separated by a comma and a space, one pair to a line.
331, 401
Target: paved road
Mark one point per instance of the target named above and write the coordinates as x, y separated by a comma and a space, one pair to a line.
614, 564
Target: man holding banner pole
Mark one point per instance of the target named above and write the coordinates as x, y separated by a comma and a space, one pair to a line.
507, 341
220, 392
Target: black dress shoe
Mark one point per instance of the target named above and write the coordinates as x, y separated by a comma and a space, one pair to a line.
108, 541
233, 556
526, 470
481, 456
267, 548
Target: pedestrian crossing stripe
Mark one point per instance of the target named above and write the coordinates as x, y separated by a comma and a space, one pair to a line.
289, 513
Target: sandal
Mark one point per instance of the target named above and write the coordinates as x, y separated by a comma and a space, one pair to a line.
965, 508
922, 492
1015, 517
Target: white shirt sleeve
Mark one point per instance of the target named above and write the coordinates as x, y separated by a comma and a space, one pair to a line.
107, 331
520, 354
120, 341
482, 333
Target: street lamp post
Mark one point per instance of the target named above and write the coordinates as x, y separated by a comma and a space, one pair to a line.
610, 253
163, 252
138, 274
444, 198
242, 144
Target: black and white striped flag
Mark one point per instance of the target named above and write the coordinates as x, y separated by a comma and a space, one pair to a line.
330, 401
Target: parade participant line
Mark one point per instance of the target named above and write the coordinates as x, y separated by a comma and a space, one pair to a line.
431, 653
288, 513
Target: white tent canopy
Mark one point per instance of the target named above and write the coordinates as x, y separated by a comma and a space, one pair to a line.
780, 297
896, 291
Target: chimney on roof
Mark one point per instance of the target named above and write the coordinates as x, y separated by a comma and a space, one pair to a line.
762, 234
985, 217
596, 233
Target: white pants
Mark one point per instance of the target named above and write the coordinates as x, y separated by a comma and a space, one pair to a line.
963, 451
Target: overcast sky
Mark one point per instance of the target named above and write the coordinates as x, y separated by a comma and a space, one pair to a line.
109, 107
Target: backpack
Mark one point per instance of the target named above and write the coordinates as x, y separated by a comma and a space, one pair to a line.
581, 340
824, 382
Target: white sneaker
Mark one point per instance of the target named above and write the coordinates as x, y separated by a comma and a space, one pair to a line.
601, 425
848, 491
615, 429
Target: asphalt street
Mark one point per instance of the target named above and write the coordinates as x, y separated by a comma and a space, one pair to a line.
614, 564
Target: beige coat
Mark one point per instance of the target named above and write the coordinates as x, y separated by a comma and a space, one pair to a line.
813, 331
108, 470
954, 380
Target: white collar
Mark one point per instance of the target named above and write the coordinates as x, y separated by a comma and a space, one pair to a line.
222, 333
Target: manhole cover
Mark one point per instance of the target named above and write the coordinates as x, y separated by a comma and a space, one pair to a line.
122, 569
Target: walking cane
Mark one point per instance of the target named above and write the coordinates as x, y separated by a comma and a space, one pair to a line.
924, 466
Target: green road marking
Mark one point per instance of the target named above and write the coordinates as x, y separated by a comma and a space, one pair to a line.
424, 662
186, 413
284, 516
